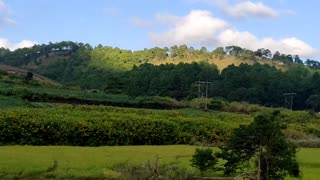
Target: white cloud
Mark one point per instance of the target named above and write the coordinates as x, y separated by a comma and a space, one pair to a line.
5, 14
201, 28
198, 27
13, 46
249, 9
247, 40
244, 9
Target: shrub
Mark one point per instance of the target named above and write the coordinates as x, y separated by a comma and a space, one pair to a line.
199, 103
242, 107
204, 159
216, 104
98, 126
307, 143
152, 170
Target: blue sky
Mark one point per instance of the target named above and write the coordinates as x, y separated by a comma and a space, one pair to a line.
289, 26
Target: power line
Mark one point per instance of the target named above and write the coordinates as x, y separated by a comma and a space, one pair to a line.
206, 84
288, 100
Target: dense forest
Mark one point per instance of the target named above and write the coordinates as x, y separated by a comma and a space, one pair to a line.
174, 71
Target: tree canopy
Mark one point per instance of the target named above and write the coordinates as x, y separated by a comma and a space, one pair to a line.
264, 141
145, 72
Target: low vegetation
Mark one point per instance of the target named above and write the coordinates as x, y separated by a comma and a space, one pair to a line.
163, 81
173, 71
114, 162
103, 125
96, 126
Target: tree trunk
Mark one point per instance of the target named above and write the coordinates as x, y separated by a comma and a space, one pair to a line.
267, 169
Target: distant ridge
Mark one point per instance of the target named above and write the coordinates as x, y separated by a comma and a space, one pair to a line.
19, 71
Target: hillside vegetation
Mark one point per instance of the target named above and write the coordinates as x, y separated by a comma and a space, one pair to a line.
236, 74
96, 126
108, 96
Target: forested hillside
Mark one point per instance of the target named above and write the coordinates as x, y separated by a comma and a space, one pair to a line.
236, 74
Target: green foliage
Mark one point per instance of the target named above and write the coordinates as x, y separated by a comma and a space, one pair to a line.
199, 103
107, 162
241, 107
11, 102
313, 64
314, 102
78, 96
74, 162
265, 139
204, 159
168, 80
216, 104
263, 84
121, 71
152, 170
29, 76
96, 126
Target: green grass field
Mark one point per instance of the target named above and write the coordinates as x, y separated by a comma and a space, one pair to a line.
310, 163
98, 161
84, 161
11, 102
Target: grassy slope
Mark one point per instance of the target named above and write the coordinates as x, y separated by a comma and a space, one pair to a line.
220, 62
63, 92
98, 161
85, 161
23, 72
11, 102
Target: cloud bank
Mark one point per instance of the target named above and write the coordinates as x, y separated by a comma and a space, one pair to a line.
249, 9
201, 28
5, 19
244, 9
5, 43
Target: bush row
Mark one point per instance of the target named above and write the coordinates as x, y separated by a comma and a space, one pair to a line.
27, 128
152, 102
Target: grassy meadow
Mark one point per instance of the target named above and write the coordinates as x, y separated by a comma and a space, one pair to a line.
84, 161
11, 102
72, 162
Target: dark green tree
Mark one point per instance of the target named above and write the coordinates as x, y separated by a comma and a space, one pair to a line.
265, 140
297, 60
314, 102
204, 159
219, 51
28, 76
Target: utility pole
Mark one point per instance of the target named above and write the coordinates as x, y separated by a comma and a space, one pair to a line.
206, 84
288, 100
199, 88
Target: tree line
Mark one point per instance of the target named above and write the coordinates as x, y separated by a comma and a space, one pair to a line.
107, 56
260, 84
130, 72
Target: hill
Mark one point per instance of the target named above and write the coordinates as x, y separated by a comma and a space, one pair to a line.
120, 59
236, 74
22, 73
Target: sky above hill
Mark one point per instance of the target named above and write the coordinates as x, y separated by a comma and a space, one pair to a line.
289, 26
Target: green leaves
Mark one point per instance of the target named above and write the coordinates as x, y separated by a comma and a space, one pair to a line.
265, 140
97, 126
204, 159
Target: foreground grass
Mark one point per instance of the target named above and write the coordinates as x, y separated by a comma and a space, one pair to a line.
11, 102
98, 161
84, 161
310, 163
